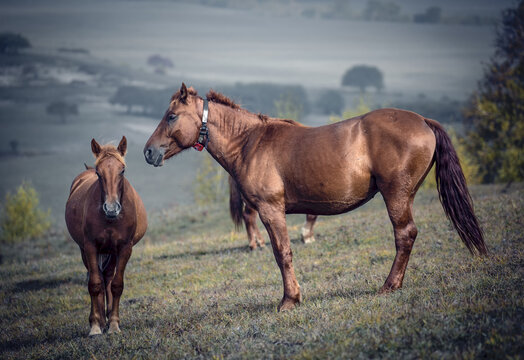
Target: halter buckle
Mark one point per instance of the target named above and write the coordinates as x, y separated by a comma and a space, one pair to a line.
203, 136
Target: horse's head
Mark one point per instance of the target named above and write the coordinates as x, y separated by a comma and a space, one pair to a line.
110, 167
178, 129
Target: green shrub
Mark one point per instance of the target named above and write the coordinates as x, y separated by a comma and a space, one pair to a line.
21, 217
211, 183
289, 106
362, 106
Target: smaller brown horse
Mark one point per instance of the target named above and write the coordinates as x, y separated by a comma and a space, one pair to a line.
241, 210
105, 217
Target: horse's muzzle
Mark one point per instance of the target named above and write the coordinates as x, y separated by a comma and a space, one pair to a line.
154, 156
112, 209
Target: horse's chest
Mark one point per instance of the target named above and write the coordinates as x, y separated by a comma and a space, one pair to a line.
107, 240
110, 237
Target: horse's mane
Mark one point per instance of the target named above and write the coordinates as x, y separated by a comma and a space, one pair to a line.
219, 98
109, 150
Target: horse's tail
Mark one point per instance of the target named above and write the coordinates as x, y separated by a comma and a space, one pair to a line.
453, 191
236, 204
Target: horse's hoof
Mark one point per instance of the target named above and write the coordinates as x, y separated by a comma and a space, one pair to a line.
384, 290
113, 328
95, 330
308, 240
288, 304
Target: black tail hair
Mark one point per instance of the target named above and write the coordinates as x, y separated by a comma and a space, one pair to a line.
236, 203
453, 191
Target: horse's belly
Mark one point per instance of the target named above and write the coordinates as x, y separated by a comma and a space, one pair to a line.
331, 198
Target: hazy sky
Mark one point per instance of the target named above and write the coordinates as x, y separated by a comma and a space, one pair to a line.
228, 45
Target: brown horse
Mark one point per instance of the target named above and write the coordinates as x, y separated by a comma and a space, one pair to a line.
105, 217
241, 210
284, 167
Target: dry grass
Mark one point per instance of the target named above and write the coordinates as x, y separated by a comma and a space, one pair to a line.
193, 290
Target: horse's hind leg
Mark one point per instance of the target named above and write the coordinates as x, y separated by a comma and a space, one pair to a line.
307, 234
253, 234
400, 212
117, 287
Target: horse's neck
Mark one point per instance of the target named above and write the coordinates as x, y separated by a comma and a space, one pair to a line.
229, 130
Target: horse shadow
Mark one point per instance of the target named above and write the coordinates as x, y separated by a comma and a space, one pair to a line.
69, 332
40, 284
197, 253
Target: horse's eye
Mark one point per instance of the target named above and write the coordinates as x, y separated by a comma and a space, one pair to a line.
172, 117
123, 171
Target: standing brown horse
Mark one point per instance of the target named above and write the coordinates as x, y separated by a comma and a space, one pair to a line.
240, 210
105, 217
284, 167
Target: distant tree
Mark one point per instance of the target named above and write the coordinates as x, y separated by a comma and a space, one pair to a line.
494, 117
73, 50
432, 15
159, 63
13, 144
362, 76
330, 102
151, 102
127, 96
261, 97
341, 10
381, 11
10, 43
62, 109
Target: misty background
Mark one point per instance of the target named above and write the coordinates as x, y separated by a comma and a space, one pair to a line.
110, 67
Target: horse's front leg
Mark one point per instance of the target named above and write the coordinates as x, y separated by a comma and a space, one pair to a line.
109, 272
95, 285
274, 220
117, 286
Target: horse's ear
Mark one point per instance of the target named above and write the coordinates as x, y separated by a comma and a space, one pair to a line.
95, 148
183, 93
122, 147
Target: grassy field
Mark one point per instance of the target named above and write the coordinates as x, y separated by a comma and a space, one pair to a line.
193, 290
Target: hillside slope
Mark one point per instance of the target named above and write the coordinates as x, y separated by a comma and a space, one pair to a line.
193, 290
